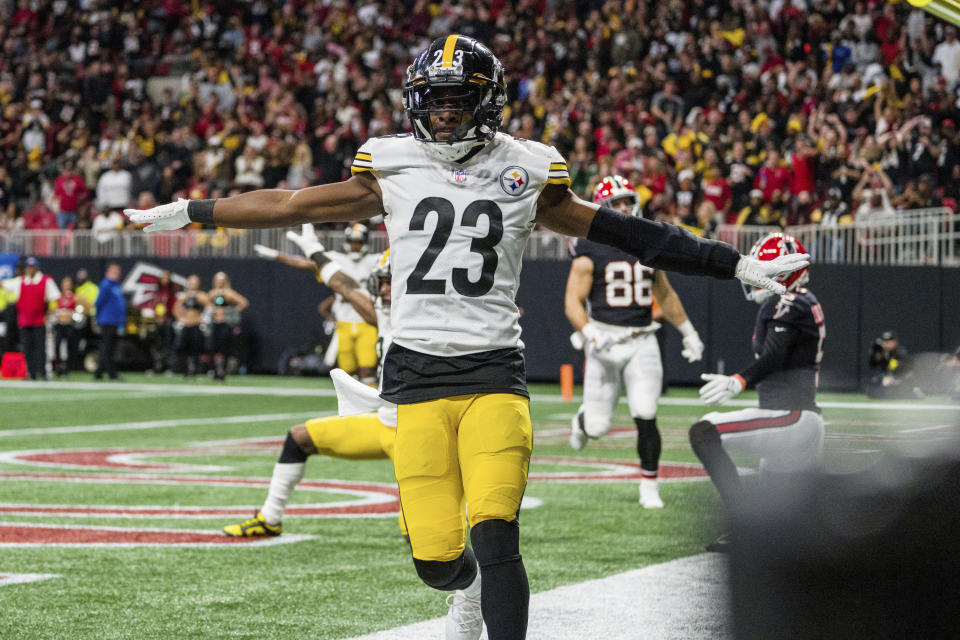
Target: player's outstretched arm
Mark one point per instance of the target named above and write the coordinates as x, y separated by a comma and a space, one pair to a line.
352, 199
657, 244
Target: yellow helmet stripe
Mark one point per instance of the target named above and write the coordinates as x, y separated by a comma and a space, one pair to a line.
446, 60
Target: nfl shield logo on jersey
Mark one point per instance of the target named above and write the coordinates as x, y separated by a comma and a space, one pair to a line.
513, 180
460, 176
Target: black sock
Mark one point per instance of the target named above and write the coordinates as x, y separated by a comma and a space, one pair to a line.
706, 443
648, 444
292, 451
505, 592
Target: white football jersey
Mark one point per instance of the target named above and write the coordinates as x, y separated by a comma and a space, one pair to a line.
359, 270
457, 234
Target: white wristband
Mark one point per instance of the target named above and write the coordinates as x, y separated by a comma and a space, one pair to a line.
686, 329
329, 270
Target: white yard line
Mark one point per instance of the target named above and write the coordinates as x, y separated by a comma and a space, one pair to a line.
682, 599
158, 424
200, 388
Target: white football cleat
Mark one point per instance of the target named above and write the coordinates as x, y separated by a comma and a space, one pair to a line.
650, 494
578, 437
464, 619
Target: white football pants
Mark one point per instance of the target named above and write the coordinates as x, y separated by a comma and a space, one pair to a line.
782, 440
634, 364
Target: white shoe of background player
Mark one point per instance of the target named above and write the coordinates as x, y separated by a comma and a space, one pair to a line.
578, 437
650, 494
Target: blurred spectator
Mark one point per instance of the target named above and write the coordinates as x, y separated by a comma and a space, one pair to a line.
33, 291
617, 86
873, 193
162, 302
39, 217
115, 187
188, 311
227, 305
890, 368
757, 212
64, 335
111, 318
70, 190
947, 55
86, 295
106, 226
248, 168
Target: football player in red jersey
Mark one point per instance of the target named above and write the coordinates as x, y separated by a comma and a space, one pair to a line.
786, 431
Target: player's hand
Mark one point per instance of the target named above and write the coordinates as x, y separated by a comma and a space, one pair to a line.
306, 240
266, 252
166, 217
596, 337
692, 347
761, 273
692, 344
720, 388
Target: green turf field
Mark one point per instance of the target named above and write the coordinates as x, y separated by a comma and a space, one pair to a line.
114, 466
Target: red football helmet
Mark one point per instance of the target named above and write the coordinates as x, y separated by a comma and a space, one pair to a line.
614, 188
770, 247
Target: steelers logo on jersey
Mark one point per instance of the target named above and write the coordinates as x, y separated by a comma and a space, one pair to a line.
513, 180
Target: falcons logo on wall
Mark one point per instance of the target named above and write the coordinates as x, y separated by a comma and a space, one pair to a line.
141, 283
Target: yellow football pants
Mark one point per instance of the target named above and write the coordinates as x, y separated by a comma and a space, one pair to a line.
356, 346
360, 437
473, 448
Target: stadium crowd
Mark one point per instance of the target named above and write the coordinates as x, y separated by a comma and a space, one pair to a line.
743, 111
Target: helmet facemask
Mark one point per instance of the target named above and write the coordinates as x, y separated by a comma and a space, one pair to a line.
769, 247
475, 99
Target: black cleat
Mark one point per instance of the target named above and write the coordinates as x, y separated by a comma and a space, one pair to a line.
720, 545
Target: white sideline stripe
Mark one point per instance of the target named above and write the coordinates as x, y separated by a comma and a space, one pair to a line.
59, 397
200, 389
682, 599
157, 424
21, 578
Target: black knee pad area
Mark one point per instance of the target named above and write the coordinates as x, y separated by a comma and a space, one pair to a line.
447, 575
703, 434
292, 451
496, 542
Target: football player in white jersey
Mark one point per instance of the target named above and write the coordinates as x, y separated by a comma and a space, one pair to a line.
459, 200
356, 339
608, 301
364, 430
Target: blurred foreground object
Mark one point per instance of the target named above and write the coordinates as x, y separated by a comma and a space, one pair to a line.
948, 10
864, 555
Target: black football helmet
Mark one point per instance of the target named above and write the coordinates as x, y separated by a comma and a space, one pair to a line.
460, 75
379, 275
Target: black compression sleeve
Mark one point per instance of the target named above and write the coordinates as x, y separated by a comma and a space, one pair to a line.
320, 258
663, 246
201, 211
776, 347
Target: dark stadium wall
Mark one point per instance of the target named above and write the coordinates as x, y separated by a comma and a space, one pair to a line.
283, 301
921, 303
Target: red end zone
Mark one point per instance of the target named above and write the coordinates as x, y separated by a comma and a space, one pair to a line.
359, 499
